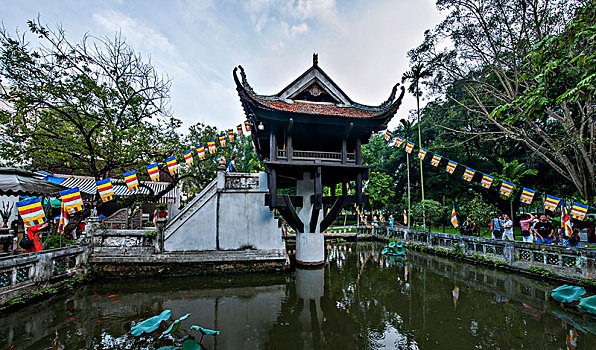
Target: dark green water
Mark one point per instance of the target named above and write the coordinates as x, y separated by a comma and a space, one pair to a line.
359, 300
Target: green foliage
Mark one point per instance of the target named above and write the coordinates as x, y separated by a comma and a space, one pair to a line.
151, 234
435, 212
381, 189
541, 271
480, 212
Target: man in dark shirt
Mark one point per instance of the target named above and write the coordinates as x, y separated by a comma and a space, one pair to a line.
543, 230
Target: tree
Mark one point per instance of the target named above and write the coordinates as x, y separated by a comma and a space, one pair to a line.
433, 210
415, 76
500, 54
380, 189
94, 107
480, 212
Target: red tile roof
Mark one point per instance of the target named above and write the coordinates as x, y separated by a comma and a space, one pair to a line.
317, 108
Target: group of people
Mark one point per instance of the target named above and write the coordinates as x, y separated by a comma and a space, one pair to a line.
537, 228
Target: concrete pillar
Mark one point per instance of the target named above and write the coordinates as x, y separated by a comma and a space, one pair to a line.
310, 245
160, 226
509, 252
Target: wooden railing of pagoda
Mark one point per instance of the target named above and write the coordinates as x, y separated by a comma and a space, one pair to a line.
334, 157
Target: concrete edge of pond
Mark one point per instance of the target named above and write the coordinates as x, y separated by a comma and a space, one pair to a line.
539, 273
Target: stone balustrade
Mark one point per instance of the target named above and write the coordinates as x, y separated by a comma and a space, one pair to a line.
25, 273
572, 262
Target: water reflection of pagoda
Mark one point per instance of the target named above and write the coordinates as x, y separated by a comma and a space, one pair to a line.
310, 135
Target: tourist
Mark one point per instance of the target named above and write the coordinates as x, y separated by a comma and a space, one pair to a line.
543, 230
34, 234
391, 221
232, 167
496, 226
508, 228
525, 228
468, 227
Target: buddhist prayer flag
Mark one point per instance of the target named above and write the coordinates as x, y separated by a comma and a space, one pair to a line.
421, 153
63, 220
131, 181
468, 174
436, 160
409, 147
231, 135
172, 165
188, 158
398, 141
566, 220
222, 140
506, 188
578, 211
405, 217
527, 195
153, 171
454, 218
551, 202
71, 200
239, 129
134, 210
201, 152
451, 165
211, 147
247, 125
31, 212
105, 189
388, 135
487, 180
155, 217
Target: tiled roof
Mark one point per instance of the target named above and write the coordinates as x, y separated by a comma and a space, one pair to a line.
317, 108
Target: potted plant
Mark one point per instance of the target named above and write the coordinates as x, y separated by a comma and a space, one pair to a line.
5, 212
162, 210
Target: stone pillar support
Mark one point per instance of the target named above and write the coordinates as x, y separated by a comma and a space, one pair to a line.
310, 245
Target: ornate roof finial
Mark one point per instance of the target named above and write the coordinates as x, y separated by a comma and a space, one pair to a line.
315, 59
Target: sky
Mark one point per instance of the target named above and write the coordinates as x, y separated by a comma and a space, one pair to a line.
362, 44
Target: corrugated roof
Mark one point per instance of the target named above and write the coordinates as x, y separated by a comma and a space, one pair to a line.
87, 185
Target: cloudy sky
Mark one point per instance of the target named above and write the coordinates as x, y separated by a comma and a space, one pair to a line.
362, 44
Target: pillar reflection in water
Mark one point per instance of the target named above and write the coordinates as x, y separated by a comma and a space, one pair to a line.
310, 288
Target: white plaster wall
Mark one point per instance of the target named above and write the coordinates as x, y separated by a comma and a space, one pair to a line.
198, 232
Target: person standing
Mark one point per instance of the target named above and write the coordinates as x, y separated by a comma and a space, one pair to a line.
525, 228
543, 230
34, 234
391, 221
497, 227
232, 166
508, 228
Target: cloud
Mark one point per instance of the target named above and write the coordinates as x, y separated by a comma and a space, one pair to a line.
299, 29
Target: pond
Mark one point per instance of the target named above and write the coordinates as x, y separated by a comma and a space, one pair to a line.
360, 299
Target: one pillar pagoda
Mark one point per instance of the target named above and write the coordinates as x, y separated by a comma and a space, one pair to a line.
309, 136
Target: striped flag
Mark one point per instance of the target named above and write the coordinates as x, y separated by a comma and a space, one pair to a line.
405, 217
436, 160
63, 220
398, 141
566, 220
134, 210
388, 135
578, 211
71, 200
468, 174
451, 165
247, 125
409, 147
551, 202
31, 212
239, 129
487, 180
506, 188
211, 147
421, 153
188, 158
155, 217
231, 135
172, 165
222, 140
131, 181
153, 171
454, 218
527, 195
105, 189
201, 152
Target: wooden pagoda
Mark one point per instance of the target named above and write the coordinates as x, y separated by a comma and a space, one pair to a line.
312, 131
